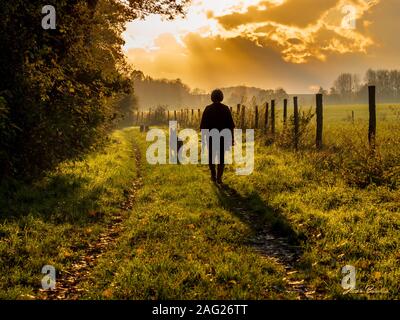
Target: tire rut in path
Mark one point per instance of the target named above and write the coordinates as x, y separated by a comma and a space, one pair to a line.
68, 280
270, 246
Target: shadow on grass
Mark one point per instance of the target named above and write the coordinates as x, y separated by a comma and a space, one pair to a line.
58, 199
253, 211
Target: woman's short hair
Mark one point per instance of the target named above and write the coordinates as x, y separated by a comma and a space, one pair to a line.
217, 96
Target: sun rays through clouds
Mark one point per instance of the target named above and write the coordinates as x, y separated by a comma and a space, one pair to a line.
239, 38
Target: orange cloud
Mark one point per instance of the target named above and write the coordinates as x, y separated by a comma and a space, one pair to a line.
220, 62
298, 13
304, 29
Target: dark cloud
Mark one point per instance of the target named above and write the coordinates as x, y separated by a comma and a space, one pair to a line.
298, 13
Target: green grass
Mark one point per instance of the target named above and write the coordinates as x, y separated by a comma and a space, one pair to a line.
343, 201
181, 243
343, 113
336, 114
182, 240
179, 232
54, 219
341, 225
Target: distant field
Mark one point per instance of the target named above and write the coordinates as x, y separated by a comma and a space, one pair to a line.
343, 113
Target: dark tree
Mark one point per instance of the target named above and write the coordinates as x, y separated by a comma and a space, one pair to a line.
60, 89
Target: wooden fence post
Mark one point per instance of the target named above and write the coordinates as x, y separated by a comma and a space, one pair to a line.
175, 118
243, 120
256, 119
168, 117
285, 104
266, 116
320, 121
296, 123
273, 117
237, 116
372, 116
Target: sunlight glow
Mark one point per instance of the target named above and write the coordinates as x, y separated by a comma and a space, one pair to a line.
296, 35
143, 33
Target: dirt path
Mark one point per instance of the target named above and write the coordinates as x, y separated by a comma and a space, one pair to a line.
69, 280
271, 246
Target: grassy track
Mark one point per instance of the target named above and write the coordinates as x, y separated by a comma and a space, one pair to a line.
184, 230
184, 238
180, 243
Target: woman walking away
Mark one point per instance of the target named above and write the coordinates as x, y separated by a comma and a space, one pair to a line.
217, 116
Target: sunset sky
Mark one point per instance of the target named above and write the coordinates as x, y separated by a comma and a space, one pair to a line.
295, 44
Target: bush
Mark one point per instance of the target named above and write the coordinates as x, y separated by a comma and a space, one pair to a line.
360, 166
285, 138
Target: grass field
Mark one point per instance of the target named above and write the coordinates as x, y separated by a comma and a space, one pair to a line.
182, 239
338, 113
53, 220
343, 113
339, 224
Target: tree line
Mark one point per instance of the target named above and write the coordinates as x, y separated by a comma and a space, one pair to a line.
174, 94
60, 90
349, 88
